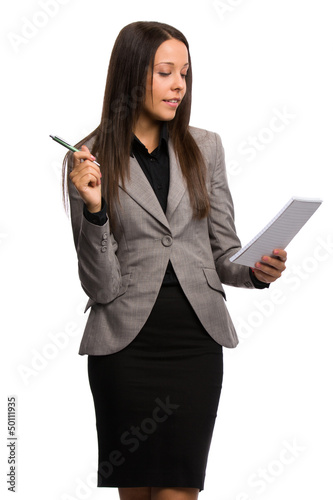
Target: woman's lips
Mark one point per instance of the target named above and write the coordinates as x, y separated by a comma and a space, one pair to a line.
172, 102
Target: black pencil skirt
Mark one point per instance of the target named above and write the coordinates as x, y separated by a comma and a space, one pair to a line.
156, 400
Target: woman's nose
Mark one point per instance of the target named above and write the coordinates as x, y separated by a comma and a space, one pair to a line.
178, 82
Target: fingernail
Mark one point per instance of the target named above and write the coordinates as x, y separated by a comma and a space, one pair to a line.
92, 157
276, 252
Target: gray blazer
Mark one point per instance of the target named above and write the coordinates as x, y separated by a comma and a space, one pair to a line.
122, 271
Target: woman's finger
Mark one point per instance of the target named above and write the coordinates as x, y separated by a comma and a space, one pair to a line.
281, 254
85, 181
274, 262
84, 154
271, 268
84, 168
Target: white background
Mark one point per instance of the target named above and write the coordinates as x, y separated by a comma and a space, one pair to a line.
251, 60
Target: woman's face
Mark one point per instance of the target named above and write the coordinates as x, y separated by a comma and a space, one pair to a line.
169, 81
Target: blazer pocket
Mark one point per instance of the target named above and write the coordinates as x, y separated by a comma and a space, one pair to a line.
213, 280
125, 279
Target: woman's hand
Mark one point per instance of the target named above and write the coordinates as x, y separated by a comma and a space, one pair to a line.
86, 177
271, 268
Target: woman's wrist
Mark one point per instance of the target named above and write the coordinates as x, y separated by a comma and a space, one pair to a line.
99, 217
94, 208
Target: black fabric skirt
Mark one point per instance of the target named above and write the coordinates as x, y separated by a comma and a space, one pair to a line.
156, 400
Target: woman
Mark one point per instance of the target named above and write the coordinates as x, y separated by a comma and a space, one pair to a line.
154, 231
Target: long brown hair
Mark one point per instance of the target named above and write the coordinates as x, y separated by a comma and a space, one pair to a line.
133, 52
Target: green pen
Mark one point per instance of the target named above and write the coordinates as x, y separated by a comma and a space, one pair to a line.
68, 146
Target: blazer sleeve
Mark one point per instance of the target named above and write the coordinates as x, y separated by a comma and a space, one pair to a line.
222, 231
96, 248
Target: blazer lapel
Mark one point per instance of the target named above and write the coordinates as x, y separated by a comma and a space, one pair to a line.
177, 185
138, 188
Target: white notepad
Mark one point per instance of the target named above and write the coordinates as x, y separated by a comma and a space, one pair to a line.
279, 232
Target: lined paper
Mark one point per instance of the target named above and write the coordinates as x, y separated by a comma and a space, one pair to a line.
279, 232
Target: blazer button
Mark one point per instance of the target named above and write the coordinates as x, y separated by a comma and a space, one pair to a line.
105, 235
104, 242
103, 249
167, 241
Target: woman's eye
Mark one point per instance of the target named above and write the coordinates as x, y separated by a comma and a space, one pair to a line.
168, 74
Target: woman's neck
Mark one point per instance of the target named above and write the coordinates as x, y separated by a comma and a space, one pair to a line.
148, 133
